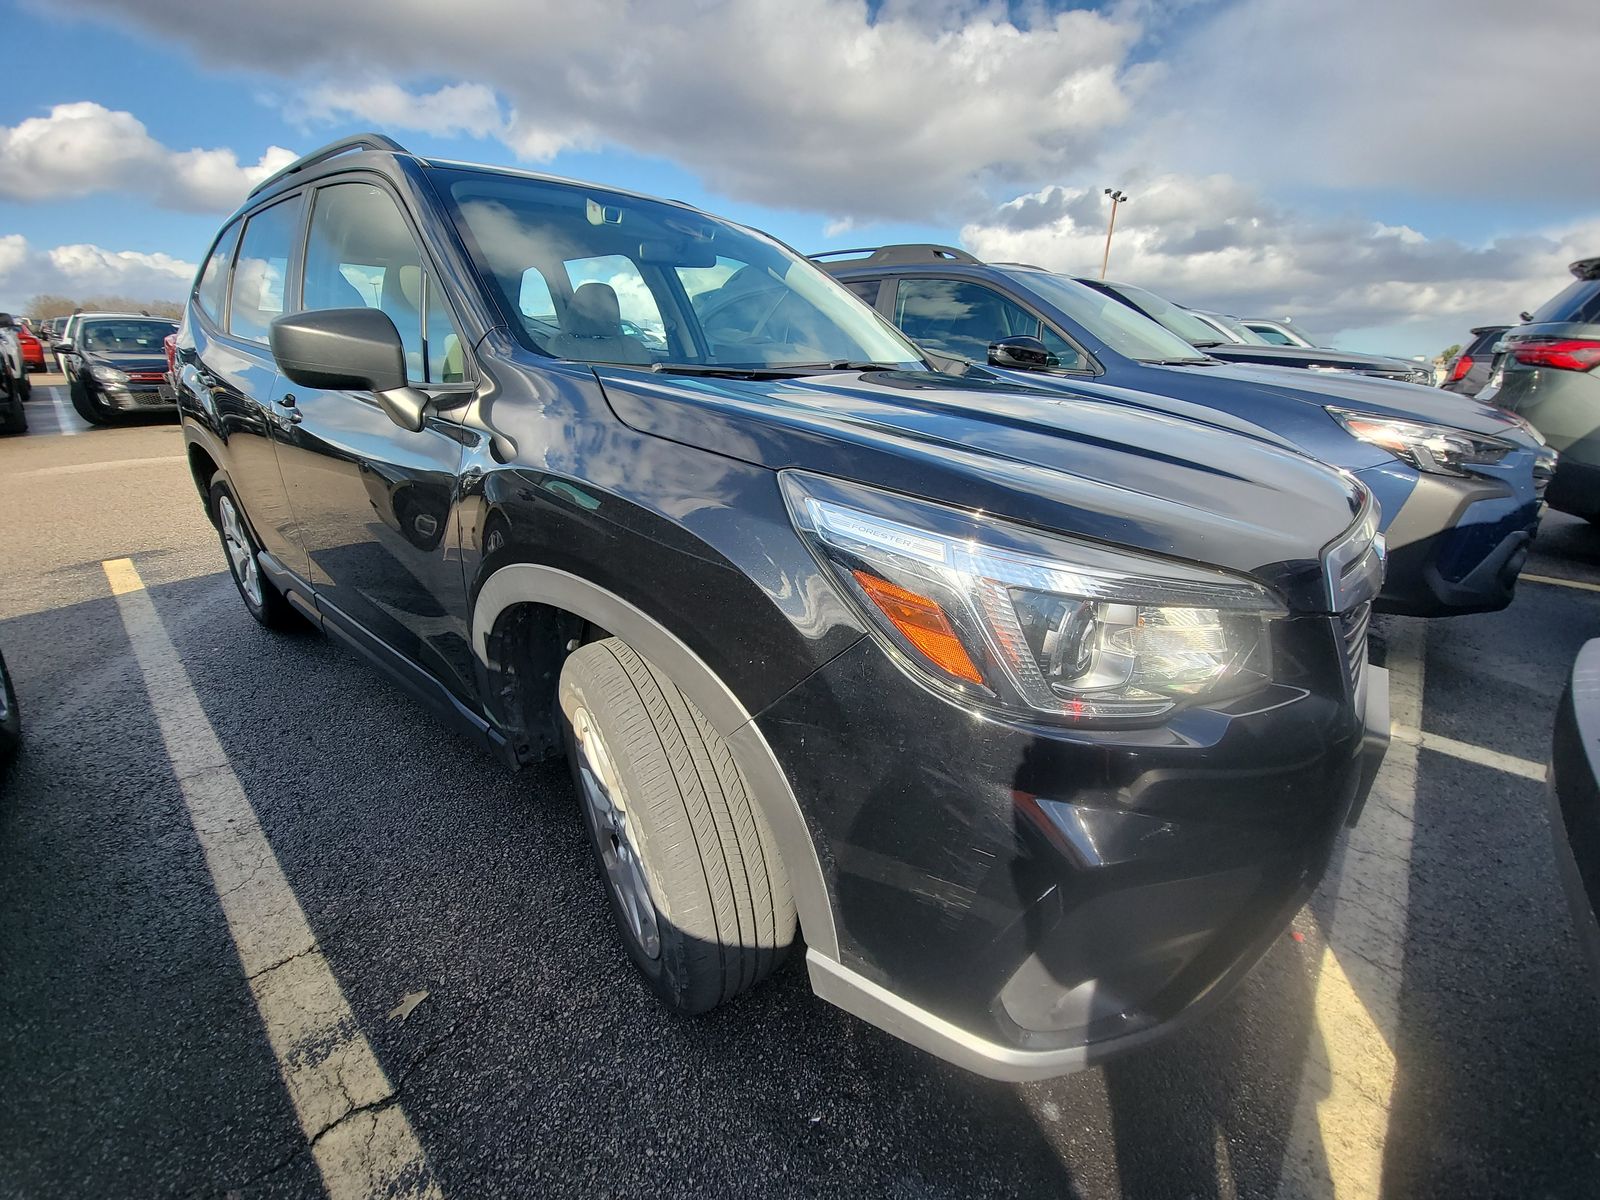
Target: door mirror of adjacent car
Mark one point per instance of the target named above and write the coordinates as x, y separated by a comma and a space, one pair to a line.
1021, 354
64, 346
349, 350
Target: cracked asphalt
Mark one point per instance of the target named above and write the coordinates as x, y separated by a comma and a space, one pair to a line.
134, 1061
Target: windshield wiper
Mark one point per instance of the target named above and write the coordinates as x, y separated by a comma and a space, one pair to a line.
721, 372
1208, 345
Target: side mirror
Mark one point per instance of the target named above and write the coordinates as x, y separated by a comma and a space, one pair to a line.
349, 350
1021, 354
1525, 317
64, 346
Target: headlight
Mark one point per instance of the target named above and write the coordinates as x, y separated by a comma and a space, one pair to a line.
109, 376
1437, 449
1035, 624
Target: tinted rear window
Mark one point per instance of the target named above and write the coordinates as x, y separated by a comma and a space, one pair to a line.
1578, 302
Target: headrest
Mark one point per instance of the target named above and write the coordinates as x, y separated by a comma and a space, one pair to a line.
594, 312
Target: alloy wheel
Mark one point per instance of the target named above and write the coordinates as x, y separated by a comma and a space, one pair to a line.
241, 554
608, 817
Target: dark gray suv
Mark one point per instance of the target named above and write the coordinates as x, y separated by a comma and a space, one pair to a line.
1548, 373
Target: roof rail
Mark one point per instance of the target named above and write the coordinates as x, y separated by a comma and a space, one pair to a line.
906, 254
345, 145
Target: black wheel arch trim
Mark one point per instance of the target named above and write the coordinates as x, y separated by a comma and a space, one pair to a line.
530, 583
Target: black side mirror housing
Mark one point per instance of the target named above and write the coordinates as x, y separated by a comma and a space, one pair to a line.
1021, 354
349, 350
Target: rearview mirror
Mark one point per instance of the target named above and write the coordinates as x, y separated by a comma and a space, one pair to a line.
349, 350
1021, 354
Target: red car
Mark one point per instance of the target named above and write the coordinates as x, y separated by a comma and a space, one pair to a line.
32, 349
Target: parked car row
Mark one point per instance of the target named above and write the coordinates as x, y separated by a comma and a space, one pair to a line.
1458, 483
113, 364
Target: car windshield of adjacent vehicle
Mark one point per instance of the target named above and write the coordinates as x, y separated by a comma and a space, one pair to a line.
1121, 328
605, 277
1169, 315
1240, 330
125, 336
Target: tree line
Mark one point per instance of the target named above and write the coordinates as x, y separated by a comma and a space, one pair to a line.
43, 308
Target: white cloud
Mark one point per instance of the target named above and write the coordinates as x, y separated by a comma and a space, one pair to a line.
1213, 242
83, 270
1450, 97
461, 108
83, 148
810, 104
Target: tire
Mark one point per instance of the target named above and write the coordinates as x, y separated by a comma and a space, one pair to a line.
16, 421
261, 599
697, 890
25, 387
10, 715
88, 408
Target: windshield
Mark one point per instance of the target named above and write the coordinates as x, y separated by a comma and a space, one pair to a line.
605, 277
1179, 320
126, 337
1125, 331
1239, 330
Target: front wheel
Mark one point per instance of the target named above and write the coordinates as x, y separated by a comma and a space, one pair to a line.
87, 406
691, 871
264, 601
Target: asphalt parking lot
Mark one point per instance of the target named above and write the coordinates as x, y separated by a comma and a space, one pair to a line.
1426, 1029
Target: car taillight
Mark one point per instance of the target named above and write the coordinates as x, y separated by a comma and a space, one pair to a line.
1564, 354
1462, 366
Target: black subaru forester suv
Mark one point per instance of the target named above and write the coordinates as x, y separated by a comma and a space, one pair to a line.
1036, 715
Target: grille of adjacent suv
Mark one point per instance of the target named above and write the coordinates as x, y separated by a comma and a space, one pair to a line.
1353, 627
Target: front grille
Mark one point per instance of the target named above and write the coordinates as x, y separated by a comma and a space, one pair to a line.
1353, 628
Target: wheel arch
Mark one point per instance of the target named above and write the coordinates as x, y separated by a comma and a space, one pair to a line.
534, 584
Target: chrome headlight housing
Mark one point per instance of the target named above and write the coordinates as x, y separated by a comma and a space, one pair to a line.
109, 376
1436, 449
1035, 624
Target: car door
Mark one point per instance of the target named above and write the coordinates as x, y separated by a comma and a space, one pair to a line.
375, 504
231, 373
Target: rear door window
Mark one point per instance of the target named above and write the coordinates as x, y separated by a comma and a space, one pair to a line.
260, 276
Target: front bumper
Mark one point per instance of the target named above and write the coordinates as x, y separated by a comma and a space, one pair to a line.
1025, 900
140, 397
1454, 545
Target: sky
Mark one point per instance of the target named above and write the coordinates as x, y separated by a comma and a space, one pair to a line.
1386, 174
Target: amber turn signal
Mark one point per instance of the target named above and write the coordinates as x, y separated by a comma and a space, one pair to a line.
922, 623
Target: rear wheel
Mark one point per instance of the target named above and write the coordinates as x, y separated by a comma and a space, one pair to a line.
692, 875
264, 601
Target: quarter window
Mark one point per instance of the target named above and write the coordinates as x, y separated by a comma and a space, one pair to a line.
262, 269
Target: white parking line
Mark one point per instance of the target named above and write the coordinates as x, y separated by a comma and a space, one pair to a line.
107, 464
1341, 1116
66, 424
1467, 752
1559, 582
360, 1137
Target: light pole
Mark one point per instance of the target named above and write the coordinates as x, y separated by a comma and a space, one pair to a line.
1116, 199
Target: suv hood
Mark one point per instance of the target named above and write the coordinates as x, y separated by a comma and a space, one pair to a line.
1116, 473
1386, 397
1300, 357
